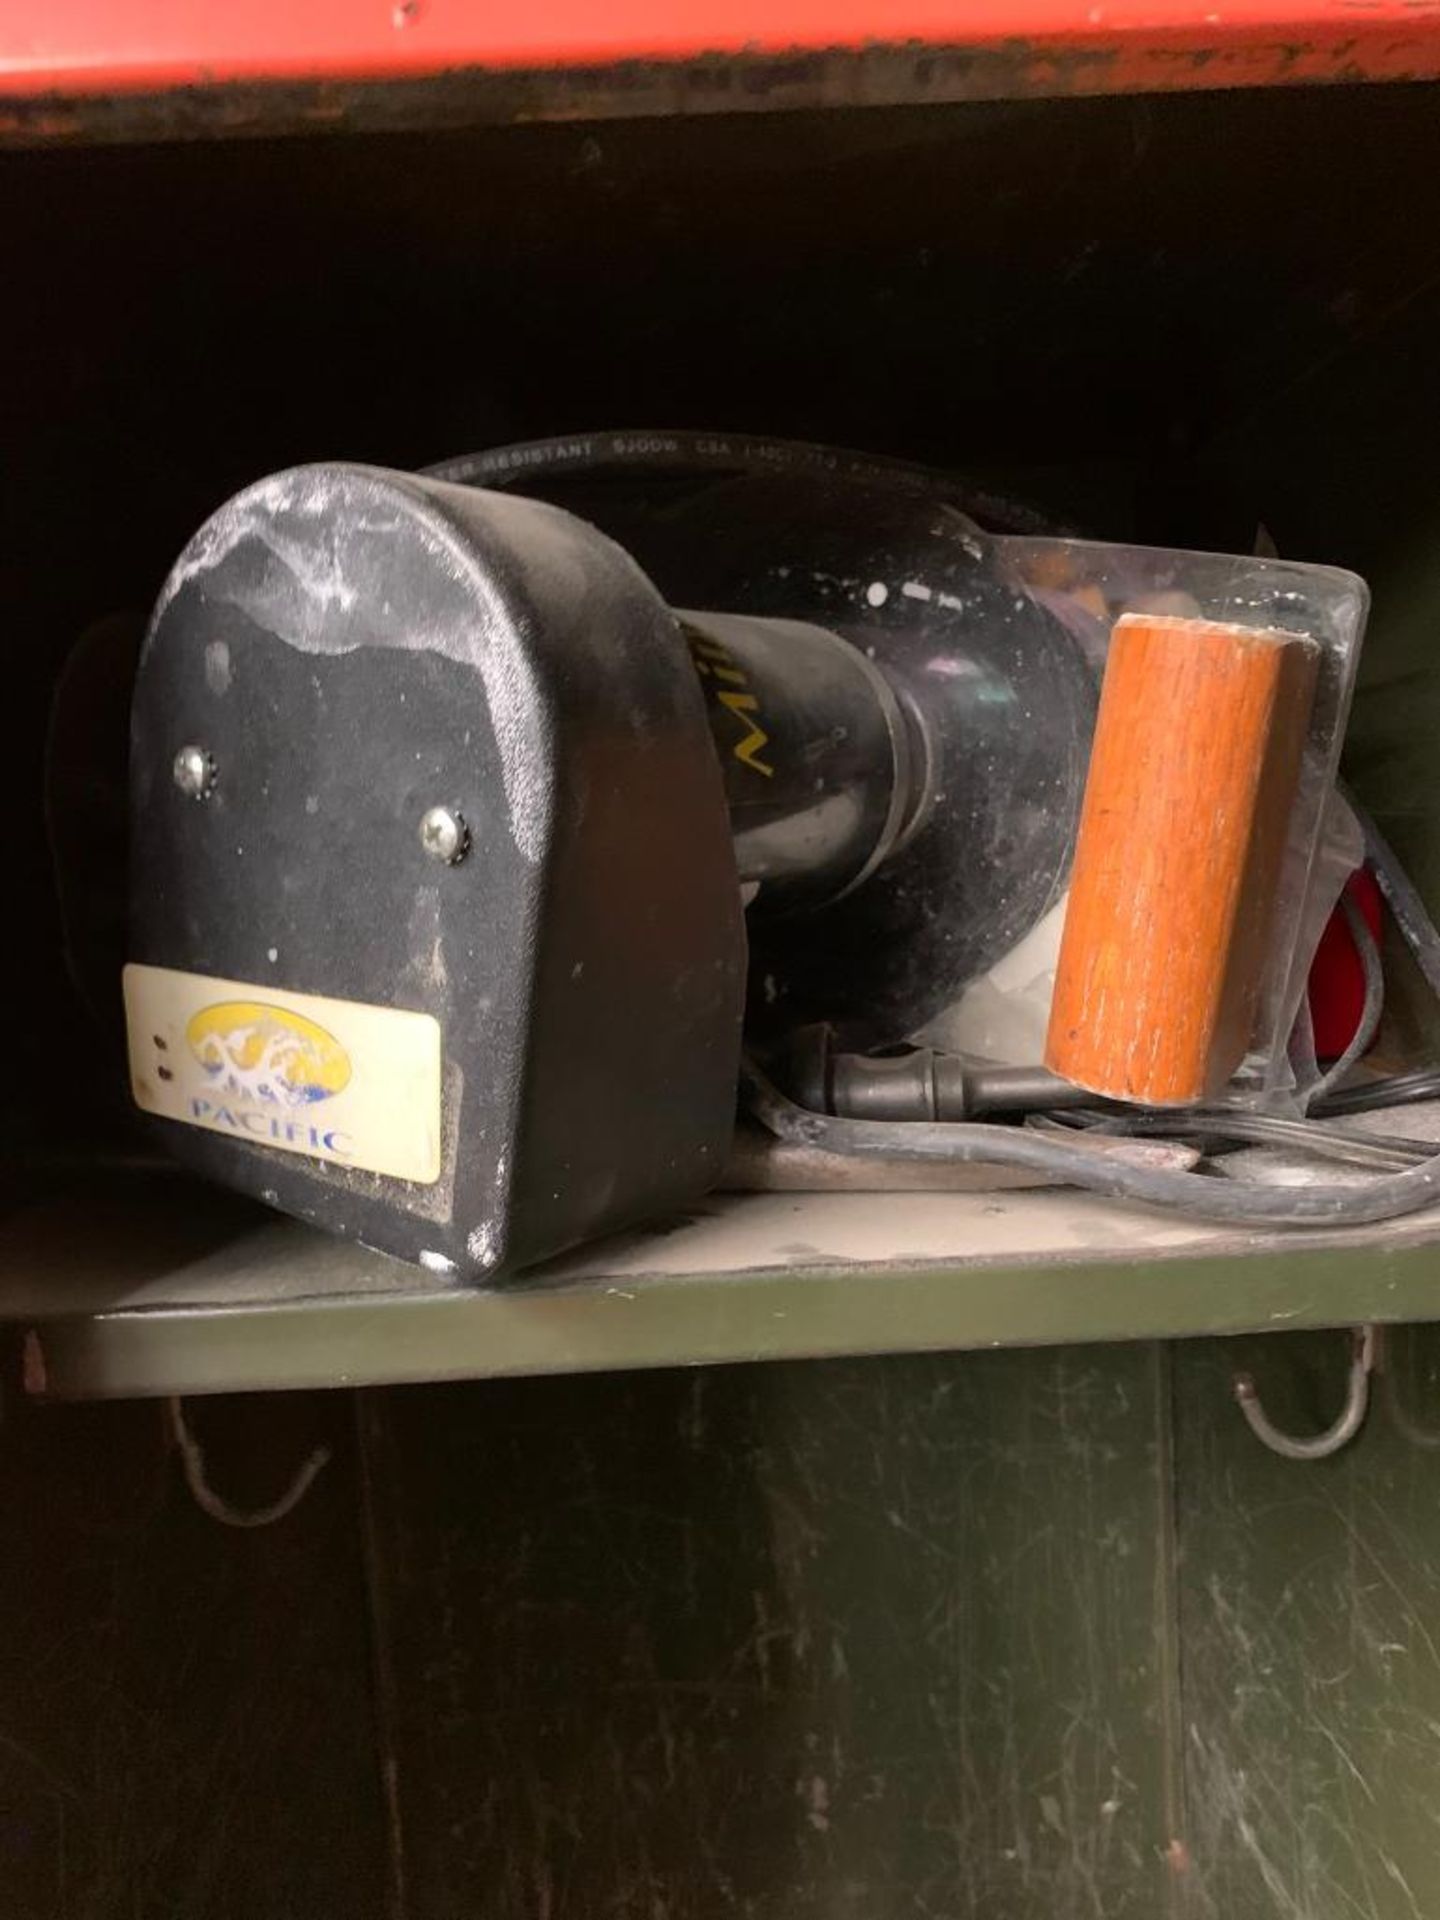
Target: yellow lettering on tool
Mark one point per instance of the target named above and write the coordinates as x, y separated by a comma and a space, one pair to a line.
714, 662
741, 704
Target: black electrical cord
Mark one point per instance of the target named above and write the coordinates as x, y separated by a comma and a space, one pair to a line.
1369, 1096
1380, 1153
1384, 1198
685, 454
1363, 1037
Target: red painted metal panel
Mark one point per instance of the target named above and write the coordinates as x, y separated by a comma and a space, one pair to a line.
76, 47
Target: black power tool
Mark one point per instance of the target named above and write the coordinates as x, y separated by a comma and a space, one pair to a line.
481, 816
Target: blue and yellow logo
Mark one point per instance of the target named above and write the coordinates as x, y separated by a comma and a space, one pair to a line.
266, 1053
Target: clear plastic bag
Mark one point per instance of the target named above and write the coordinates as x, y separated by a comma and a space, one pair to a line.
1089, 587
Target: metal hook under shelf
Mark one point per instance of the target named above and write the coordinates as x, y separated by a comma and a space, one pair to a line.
1365, 1346
192, 1464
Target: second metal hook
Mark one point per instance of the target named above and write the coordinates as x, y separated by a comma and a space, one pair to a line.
1365, 1345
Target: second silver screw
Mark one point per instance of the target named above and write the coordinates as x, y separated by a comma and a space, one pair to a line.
445, 836
194, 772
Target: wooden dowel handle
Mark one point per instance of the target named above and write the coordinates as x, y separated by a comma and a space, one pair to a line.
1187, 809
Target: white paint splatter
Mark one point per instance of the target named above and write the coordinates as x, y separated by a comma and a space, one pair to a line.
316, 525
308, 491
217, 667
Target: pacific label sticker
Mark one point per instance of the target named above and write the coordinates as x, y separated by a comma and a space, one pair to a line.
355, 1085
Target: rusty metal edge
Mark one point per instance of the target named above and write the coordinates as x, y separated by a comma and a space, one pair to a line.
879, 75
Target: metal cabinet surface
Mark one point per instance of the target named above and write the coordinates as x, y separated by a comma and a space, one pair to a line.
893, 1623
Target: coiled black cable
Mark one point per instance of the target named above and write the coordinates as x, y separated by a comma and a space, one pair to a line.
1227, 1201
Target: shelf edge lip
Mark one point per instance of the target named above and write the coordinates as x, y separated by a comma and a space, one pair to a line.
788, 1313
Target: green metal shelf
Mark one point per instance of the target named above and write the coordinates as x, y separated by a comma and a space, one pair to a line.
164, 1288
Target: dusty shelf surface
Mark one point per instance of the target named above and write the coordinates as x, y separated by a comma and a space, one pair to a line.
161, 1286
